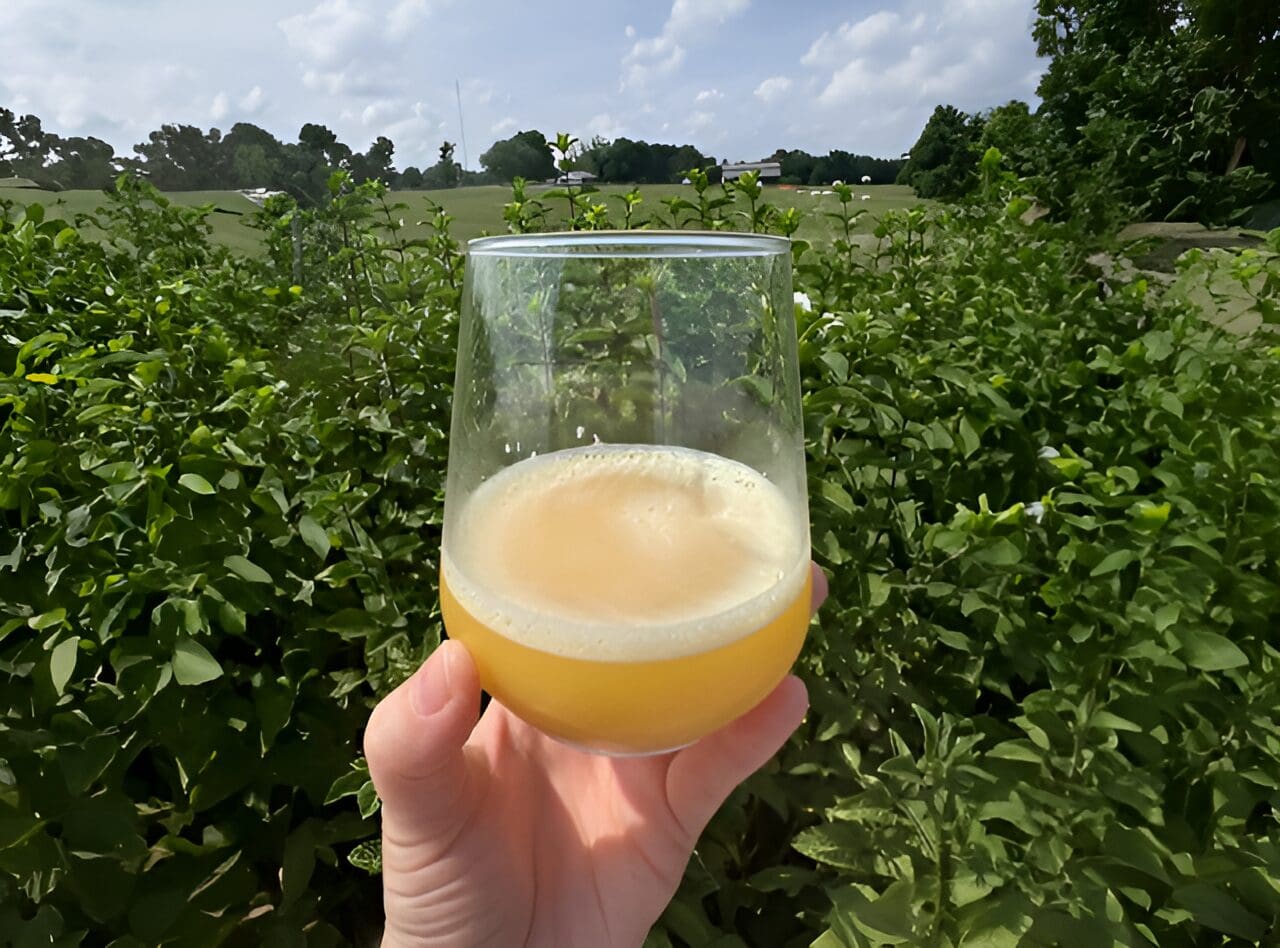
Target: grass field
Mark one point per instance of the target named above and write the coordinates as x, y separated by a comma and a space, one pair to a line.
478, 211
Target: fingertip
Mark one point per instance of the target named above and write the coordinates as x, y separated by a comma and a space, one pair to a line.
446, 675
820, 588
794, 694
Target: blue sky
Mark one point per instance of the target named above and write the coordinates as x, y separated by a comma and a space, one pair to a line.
737, 78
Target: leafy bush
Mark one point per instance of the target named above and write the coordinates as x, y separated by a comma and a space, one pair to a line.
1044, 687
219, 497
1044, 695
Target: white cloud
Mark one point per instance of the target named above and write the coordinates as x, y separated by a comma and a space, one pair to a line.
253, 101
629, 32
329, 32
850, 39
709, 95
220, 107
773, 89
405, 15
504, 127
688, 23
905, 60
379, 111
604, 125
699, 121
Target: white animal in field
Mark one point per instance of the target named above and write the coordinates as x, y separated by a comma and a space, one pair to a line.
866, 197
866, 179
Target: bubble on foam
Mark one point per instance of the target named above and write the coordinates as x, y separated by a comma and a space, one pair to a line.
744, 508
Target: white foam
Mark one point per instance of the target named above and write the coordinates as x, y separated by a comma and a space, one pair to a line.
738, 505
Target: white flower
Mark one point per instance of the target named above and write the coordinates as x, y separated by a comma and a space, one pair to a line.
802, 300
1035, 511
1048, 452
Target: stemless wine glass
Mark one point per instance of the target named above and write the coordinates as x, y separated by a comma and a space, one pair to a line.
626, 540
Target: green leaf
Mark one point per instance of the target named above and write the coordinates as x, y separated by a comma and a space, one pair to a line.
314, 536
1113, 722
247, 570
1209, 651
367, 800
1001, 553
196, 484
838, 496
1213, 908
367, 856
192, 663
1114, 562
62, 662
298, 864
47, 620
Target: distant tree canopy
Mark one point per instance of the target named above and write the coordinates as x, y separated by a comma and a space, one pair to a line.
639, 162
1164, 108
523, 155
187, 158
942, 163
800, 167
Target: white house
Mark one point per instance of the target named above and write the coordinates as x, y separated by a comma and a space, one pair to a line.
576, 177
769, 170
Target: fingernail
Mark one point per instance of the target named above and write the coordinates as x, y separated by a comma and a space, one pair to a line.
430, 690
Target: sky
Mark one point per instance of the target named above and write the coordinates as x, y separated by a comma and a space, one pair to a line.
736, 78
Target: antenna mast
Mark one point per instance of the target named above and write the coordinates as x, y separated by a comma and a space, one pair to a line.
462, 134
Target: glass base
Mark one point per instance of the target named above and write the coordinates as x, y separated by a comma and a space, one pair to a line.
616, 754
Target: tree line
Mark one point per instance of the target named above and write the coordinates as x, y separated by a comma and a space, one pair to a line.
1150, 109
188, 158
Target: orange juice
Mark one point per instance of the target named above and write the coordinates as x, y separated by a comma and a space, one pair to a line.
628, 598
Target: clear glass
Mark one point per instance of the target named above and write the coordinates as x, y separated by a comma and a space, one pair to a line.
626, 540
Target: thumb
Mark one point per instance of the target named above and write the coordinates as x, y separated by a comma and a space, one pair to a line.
414, 742
702, 776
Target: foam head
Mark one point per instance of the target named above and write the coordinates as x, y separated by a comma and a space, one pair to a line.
626, 552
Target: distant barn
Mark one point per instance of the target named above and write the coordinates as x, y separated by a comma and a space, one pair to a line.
769, 170
576, 177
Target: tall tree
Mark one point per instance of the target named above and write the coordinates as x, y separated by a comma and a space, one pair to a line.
523, 155
1158, 108
182, 158
943, 160
445, 173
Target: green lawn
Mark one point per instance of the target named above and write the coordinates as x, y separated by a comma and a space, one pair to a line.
230, 210
478, 211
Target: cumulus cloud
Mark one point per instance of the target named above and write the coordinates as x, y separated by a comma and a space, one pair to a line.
220, 107
892, 59
328, 33
689, 23
709, 95
699, 121
604, 125
407, 14
773, 89
504, 127
253, 101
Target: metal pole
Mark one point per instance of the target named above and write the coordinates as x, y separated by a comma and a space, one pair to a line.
462, 135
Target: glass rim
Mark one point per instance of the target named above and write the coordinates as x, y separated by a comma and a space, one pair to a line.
630, 243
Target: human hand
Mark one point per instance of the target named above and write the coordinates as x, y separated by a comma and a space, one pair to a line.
494, 834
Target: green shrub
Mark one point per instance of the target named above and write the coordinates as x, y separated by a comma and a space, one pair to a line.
1044, 688
209, 563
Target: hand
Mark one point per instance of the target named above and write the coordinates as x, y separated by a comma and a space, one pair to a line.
494, 834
